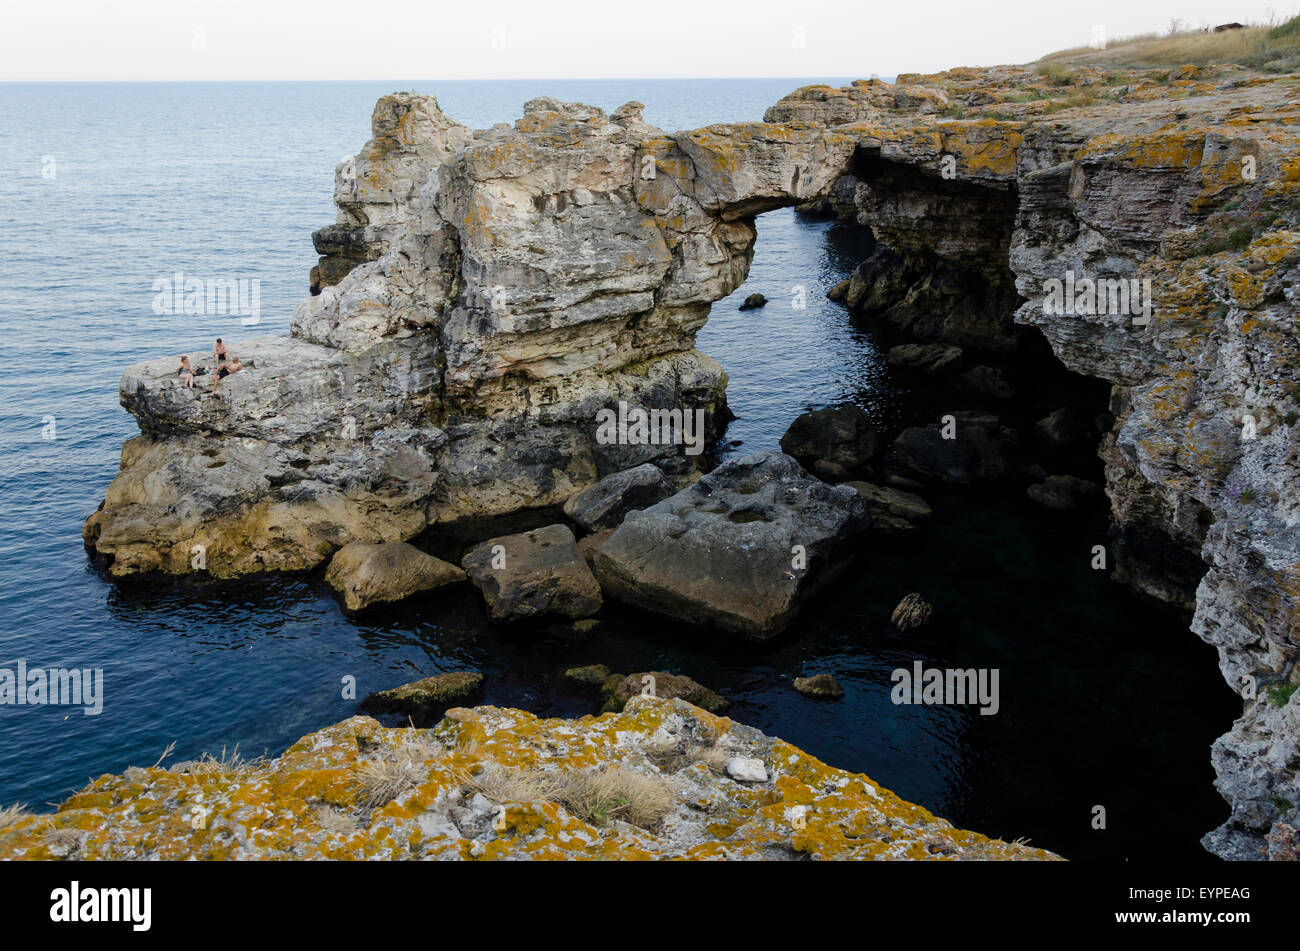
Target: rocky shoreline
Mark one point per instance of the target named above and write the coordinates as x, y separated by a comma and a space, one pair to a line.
485, 296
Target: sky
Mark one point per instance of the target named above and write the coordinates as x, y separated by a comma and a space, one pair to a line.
562, 39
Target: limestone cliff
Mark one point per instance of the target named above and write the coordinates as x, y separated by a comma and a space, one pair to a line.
1186, 180
660, 780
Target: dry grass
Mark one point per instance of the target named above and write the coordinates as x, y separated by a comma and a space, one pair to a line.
500, 784
64, 842
1268, 46
595, 796
615, 792
228, 764
12, 814
382, 781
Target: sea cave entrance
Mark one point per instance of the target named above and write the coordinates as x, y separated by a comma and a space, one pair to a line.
1104, 694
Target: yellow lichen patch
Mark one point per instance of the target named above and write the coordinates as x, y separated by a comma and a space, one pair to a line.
491, 783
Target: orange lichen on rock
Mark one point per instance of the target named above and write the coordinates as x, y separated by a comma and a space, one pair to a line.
651, 782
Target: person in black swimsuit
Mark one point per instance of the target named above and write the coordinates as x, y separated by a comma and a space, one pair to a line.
232, 366
219, 352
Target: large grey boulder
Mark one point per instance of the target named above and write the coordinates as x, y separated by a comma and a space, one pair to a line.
841, 435
734, 551
370, 576
604, 504
533, 575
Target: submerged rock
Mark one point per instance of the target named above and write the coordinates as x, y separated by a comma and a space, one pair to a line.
821, 686
603, 505
1063, 492
754, 301
494, 783
367, 575
1065, 426
533, 575
736, 550
912, 612
985, 381
893, 511
932, 358
590, 675
978, 450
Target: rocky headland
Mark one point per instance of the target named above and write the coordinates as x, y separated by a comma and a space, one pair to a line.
485, 296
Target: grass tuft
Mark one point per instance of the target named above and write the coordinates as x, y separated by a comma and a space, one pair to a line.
595, 796
9, 815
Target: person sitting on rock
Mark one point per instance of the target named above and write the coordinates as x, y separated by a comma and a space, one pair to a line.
231, 366
219, 352
186, 373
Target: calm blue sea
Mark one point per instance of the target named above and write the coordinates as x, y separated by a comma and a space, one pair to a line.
107, 187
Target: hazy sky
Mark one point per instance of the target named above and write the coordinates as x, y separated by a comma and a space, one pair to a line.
511, 39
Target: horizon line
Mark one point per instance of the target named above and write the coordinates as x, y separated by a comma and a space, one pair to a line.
499, 79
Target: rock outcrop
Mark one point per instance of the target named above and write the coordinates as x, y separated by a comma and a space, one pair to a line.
1186, 180
530, 278
490, 783
737, 550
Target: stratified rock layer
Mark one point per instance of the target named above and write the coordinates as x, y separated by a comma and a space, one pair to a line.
359, 791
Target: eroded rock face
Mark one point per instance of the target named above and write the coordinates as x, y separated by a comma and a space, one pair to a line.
1201, 205
357, 790
530, 277
376, 189
736, 550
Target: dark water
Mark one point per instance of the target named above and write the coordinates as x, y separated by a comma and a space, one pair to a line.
1103, 701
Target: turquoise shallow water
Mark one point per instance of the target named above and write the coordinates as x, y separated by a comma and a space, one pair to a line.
1104, 701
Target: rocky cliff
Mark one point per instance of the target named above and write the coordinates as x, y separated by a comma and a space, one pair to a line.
1183, 185
662, 779
504, 286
